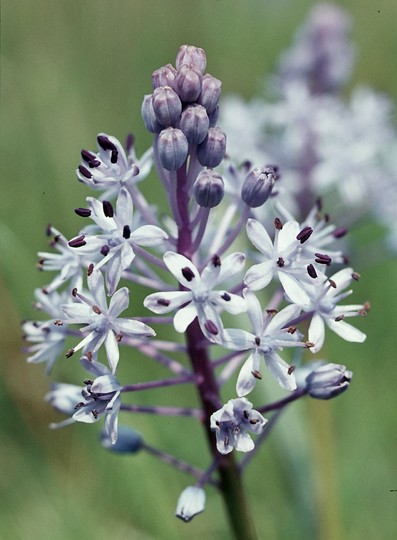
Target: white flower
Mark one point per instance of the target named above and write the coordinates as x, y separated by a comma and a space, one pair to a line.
98, 398
199, 300
282, 258
231, 424
47, 337
270, 335
190, 503
321, 299
112, 167
103, 324
117, 237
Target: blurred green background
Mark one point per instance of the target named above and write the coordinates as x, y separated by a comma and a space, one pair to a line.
71, 69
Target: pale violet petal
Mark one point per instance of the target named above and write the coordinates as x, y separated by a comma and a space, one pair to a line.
119, 302
97, 215
287, 235
105, 384
96, 284
294, 290
230, 266
165, 302
112, 350
133, 328
184, 317
346, 331
259, 275
176, 263
238, 340
316, 333
246, 381
283, 318
148, 235
259, 237
243, 442
232, 303
255, 312
124, 208
280, 371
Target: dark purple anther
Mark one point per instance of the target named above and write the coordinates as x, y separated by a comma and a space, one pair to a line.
87, 156
79, 241
83, 212
304, 234
105, 250
163, 302
105, 143
187, 273
126, 232
107, 209
311, 271
85, 172
226, 297
211, 327
321, 258
280, 262
278, 224
338, 233
216, 261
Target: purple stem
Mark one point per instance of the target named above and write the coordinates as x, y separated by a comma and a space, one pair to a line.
158, 384
164, 411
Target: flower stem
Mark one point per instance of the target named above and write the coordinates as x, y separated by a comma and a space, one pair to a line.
231, 486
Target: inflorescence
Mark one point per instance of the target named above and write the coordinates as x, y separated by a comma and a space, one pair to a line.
239, 303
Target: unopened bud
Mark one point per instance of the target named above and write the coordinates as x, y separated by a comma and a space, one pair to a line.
328, 381
190, 503
172, 148
194, 123
208, 188
258, 186
148, 116
167, 106
210, 92
212, 150
163, 76
188, 55
213, 116
128, 441
187, 83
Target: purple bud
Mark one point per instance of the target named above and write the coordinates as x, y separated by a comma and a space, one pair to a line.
167, 106
328, 381
188, 55
210, 92
194, 123
212, 150
258, 186
208, 188
172, 148
213, 116
148, 116
187, 84
163, 76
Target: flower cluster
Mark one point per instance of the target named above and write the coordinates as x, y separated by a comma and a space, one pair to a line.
288, 279
326, 139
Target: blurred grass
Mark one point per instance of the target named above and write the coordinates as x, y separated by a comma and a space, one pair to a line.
69, 71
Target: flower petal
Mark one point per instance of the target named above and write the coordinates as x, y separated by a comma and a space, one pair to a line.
259, 237
280, 371
164, 302
181, 266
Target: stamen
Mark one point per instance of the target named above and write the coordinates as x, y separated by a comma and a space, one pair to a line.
216, 261
96, 309
107, 209
322, 258
83, 212
356, 276
77, 242
90, 269
291, 369
278, 224
163, 302
311, 271
226, 297
211, 327
304, 234
105, 250
187, 273
126, 232
257, 341
69, 353
340, 232
280, 262
257, 374
85, 172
